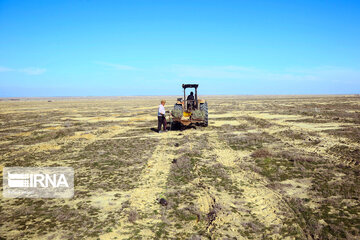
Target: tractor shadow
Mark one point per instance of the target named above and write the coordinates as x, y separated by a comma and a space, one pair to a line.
181, 128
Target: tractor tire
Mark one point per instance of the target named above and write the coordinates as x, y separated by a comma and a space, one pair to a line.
176, 125
204, 107
178, 107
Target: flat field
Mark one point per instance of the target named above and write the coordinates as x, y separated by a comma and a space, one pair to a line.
266, 167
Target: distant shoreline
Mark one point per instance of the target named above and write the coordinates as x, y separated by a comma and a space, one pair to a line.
175, 96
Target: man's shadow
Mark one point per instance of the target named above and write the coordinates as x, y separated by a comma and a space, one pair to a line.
154, 129
175, 128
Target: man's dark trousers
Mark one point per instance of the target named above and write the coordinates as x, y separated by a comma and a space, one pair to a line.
161, 121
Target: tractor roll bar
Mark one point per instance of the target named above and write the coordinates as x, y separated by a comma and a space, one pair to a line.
196, 98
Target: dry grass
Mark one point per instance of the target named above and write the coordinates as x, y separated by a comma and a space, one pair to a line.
265, 168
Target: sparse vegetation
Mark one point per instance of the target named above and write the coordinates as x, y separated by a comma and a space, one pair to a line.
285, 168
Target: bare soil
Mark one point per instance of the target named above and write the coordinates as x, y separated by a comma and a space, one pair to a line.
266, 167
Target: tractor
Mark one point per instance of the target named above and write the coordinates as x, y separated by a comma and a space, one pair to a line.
189, 111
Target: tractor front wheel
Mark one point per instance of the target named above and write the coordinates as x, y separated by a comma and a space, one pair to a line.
204, 108
178, 107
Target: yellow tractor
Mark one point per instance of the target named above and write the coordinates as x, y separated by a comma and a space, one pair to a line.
190, 110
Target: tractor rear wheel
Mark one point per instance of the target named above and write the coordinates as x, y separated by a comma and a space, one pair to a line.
204, 108
176, 125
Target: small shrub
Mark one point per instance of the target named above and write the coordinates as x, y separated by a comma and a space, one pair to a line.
132, 215
261, 153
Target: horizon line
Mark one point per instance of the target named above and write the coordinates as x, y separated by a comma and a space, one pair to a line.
104, 96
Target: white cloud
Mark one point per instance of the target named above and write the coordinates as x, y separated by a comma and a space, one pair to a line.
229, 72
33, 71
324, 73
5, 69
330, 73
28, 71
117, 66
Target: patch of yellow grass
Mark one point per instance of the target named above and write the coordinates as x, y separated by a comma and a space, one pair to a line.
204, 202
53, 128
79, 135
97, 119
223, 122
297, 187
23, 134
43, 147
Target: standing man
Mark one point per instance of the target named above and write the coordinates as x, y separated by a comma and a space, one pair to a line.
161, 116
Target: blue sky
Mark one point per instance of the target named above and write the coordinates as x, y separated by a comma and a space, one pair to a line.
111, 48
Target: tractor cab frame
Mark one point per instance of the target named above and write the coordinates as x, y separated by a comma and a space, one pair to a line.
189, 108
190, 104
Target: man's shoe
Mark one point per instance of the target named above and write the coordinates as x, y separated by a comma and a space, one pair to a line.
160, 131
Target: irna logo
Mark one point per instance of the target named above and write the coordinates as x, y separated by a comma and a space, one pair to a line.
43, 182
37, 180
